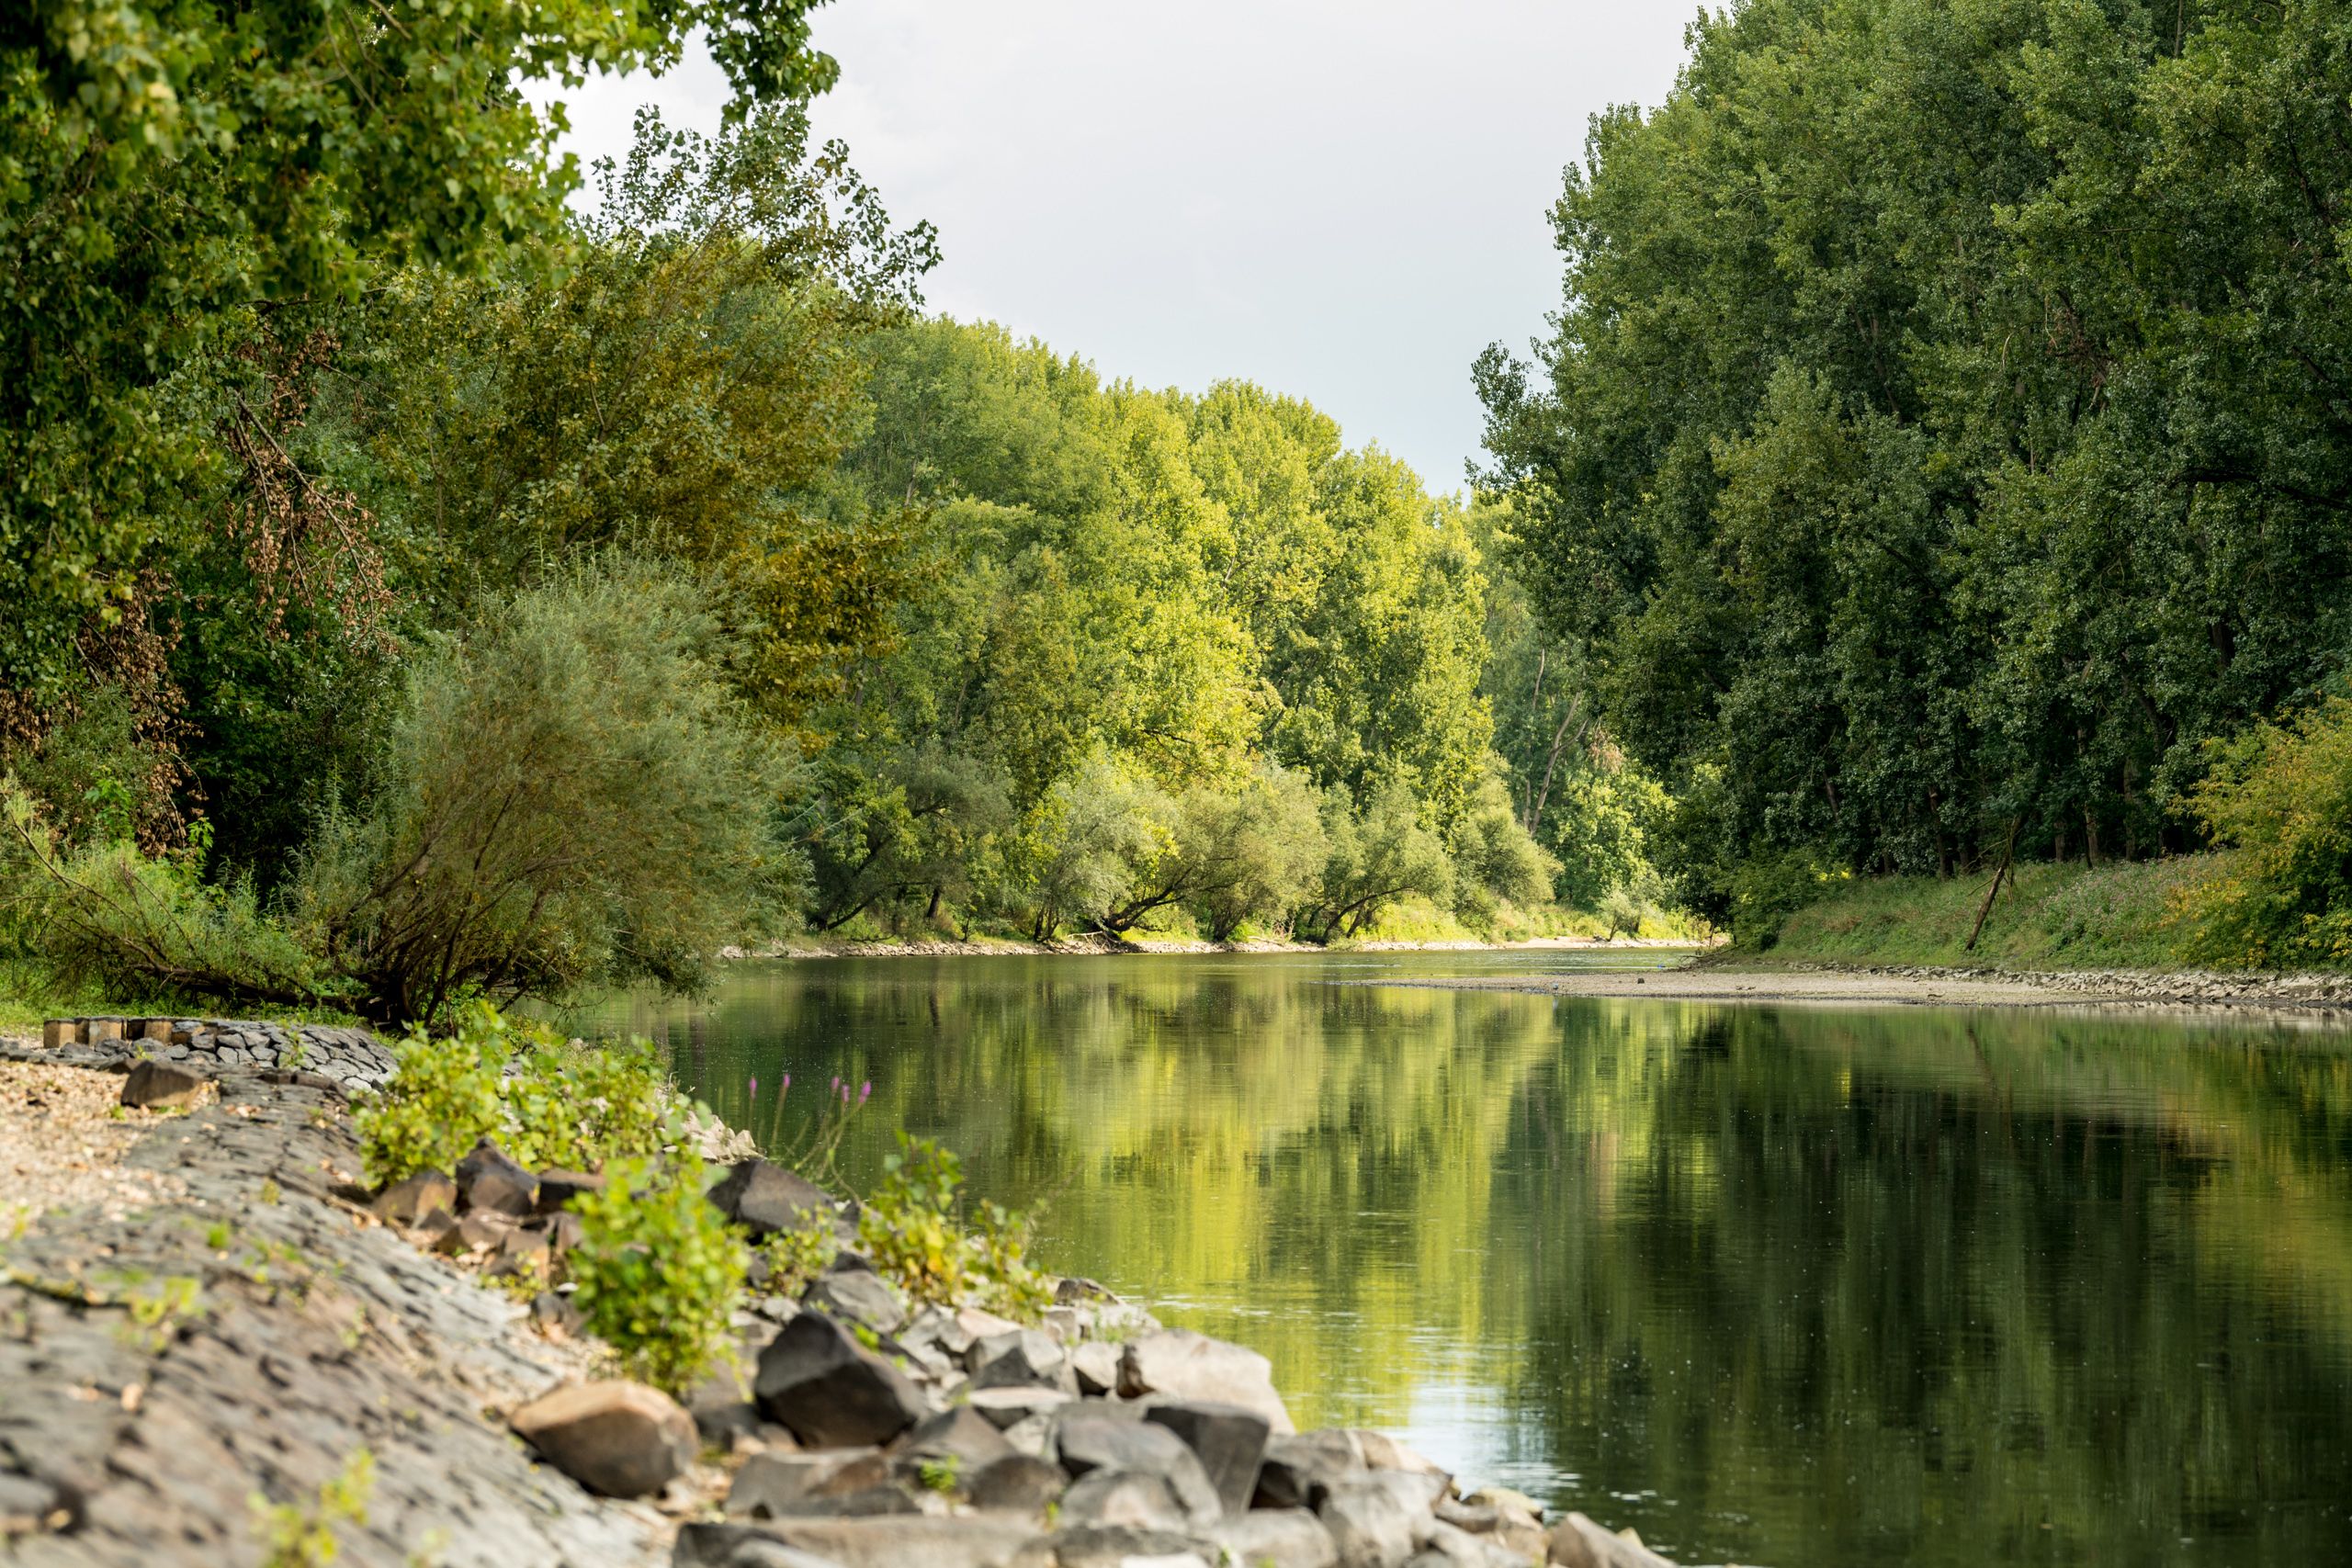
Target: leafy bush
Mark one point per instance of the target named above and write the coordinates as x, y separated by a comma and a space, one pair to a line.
659, 1270
560, 1106
570, 793
1253, 853
1766, 891
1497, 860
2282, 797
1376, 857
913, 1230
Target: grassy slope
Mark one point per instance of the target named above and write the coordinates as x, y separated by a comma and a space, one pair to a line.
2056, 917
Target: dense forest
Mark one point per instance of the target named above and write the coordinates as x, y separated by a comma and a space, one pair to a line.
423, 583
1946, 440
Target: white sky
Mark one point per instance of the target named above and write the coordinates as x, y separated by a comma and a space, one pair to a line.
1341, 200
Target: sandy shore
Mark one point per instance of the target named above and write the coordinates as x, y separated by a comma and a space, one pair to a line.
1730, 982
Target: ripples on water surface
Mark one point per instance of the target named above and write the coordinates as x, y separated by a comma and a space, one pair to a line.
1775, 1285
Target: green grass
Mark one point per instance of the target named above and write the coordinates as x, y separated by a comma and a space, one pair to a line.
2051, 917
28, 999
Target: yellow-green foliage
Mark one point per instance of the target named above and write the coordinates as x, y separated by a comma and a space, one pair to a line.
304, 1538
2282, 797
561, 1106
2118, 916
796, 1256
912, 1231
659, 1270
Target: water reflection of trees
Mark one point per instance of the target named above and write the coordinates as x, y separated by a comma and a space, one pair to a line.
1943, 1289
1912, 1286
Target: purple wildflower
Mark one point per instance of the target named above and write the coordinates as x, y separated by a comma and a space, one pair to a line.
867, 1092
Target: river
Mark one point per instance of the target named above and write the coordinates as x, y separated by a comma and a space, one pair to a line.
1774, 1285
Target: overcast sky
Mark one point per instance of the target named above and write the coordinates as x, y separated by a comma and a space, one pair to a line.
1342, 199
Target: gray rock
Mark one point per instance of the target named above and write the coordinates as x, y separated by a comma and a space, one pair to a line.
1132, 1546
488, 1180
1095, 1366
1185, 1365
1077, 1291
767, 1198
409, 1200
1578, 1542
1277, 1538
162, 1086
773, 1485
904, 1541
961, 1438
623, 1440
857, 1297
1369, 1526
1298, 1469
1229, 1441
1439, 1545
1018, 1482
1087, 1442
1010, 1406
1126, 1497
707, 1545
817, 1383
1022, 1358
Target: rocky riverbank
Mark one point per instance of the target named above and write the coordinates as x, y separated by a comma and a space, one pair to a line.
1737, 979
218, 1348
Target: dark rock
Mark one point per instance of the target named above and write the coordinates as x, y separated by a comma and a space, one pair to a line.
521, 1251
488, 1180
432, 1230
623, 1440
1016, 1484
559, 1186
1298, 1469
815, 1381
1077, 1291
1121, 1546
415, 1197
767, 1198
1022, 1358
562, 1229
162, 1086
482, 1231
857, 1297
1229, 1441
1087, 1442
1185, 1365
772, 1485
1277, 1538
961, 1438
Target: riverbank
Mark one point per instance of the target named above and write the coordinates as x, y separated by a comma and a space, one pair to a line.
1102, 946
2120, 916
225, 1347
1744, 978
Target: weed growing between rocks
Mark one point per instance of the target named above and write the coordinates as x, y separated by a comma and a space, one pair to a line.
296, 1536
911, 1231
658, 1270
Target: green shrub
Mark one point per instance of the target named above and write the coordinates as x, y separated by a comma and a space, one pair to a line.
794, 1257
659, 1270
912, 1231
561, 1106
2281, 796
1766, 891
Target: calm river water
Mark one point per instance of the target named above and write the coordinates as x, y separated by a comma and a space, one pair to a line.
1776, 1285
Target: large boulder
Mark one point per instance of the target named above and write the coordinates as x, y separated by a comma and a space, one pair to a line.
623, 1440
1131, 1546
1184, 1365
765, 1198
820, 1385
162, 1086
1096, 1367
1016, 1402
1018, 1483
1022, 1358
411, 1198
1277, 1538
955, 1442
489, 1181
773, 1484
1370, 1526
1090, 1441
1229, 1440
1299, 1469
1126, 1497
1578, 1542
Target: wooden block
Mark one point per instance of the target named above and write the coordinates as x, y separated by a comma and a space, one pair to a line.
100, 1030
156, 1029
58, 1032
